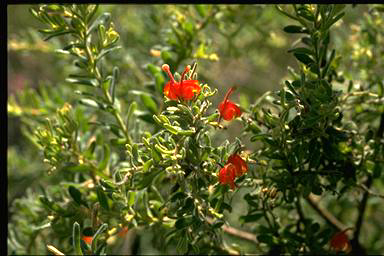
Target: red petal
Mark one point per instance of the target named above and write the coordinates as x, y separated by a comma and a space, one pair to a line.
87, 239
340, 242
189, 88
123, 232
229, 110
240, 164
227, 174
172, 90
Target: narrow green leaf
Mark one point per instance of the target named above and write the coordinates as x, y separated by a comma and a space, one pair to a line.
76, 239
102, 19
52, 34
115, 76
149, 103
251, 218
154, 70
334, 20
76, 195
172, 129
325, 70
96, 236
304, 58
148, 178
301, 50
159, 82
132, 108
295, 29
201, 9
103, 200
184, 222
51, 205
265, 238
107, 51
84, 81
77, 167
92, 103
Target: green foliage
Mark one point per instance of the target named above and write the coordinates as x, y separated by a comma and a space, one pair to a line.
120, 154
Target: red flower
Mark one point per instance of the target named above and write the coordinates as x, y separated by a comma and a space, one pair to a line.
184, 90
229, 110
87, 239
340, 242
235, 167
123, 232
239, 163
227, 175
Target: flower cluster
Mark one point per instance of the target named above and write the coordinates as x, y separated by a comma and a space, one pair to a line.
186, 90
235, 167
183, 90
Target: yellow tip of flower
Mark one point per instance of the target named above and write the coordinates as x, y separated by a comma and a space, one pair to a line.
165, 67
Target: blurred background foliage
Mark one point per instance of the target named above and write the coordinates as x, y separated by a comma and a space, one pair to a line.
242, 45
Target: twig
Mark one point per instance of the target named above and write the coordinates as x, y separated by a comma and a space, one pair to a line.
300, 212
332, 220
236, 232
54, 250
362, 207
370, 192
368, 184
239, 233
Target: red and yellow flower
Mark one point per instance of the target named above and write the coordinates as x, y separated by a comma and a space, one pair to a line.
183, 90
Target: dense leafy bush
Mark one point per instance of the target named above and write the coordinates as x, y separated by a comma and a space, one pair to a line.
146, 152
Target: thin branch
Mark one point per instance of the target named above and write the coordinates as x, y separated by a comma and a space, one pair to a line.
239, 233
301, 214
329, 217
370, 192
236, 232
368, 184
54, 250
362, 207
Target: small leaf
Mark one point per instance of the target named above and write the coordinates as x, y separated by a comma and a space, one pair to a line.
301, 50
56, 33
251, 218
304, 58
102, 198
334, 20
76, 239
149, 103
295, 29
184, 222
107, 51
96, 236
102, 19
148, 178
147, 165
84, 81
131, 110
76, 195
154, 70
265, 238
106, 155
77, 167
92, 103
